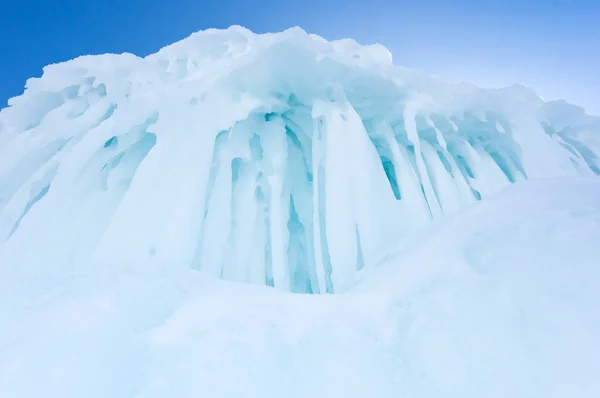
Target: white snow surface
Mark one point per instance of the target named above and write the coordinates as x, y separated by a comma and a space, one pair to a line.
500, 300
174, 226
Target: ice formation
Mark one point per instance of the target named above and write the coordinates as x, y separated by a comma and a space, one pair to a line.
277, 159
136, 193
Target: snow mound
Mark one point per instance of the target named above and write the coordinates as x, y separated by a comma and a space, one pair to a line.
500, 300
277, 159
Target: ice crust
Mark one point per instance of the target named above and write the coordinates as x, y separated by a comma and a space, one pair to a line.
276, 159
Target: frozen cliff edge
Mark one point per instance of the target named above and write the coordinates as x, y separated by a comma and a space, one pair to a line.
278, 159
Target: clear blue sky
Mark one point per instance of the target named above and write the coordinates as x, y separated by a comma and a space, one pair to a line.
552, 46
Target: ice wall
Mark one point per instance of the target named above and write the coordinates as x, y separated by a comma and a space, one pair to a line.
278, 159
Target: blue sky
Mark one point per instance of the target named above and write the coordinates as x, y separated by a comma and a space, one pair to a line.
552, 46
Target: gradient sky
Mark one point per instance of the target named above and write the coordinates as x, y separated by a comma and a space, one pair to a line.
551, 46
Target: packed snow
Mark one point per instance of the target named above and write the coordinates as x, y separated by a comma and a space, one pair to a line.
158, 214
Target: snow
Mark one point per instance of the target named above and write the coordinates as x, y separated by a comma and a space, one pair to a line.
498, 300
160, 215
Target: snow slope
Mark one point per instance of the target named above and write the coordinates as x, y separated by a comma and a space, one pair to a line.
500, 300
278, 159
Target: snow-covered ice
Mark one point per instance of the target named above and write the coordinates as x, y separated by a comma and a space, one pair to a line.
160, 215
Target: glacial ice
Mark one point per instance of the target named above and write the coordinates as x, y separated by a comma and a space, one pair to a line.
277, 159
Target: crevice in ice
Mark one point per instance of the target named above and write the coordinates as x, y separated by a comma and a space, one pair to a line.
360, 259
323, 231
300, 281
107, 114
433, 179
575, 165
504, 166
548, 128
269, 280
390, 172
445, 162
236, 164
70, 92
410, 149
570, 149
385, 158
116, 177
484, 134
87, 96
111, 142
515, 158
426, 132
43, 103
296, 143
26, 168
588, 156
476, 193
299, 180
463, 166
29, 205
220, 141
38, 191
241, 209
322, 258
110, 164
270, 116
256, 150
301, 141
129, 159
412, 157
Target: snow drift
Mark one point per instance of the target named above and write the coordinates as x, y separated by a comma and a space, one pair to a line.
278, 159
500, 300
